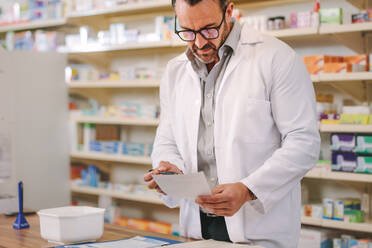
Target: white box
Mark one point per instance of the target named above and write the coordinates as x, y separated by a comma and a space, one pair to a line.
315, 238
71, 224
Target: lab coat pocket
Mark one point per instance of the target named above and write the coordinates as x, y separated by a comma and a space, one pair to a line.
256, 122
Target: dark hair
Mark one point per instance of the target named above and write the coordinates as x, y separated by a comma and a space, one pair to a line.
223, 3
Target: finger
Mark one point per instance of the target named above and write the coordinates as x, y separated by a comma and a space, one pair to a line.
152, 185
218, 206
218, 189
147, 177
219, 198
164, 166
158, 189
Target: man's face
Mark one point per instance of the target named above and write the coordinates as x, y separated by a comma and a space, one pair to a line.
206, 13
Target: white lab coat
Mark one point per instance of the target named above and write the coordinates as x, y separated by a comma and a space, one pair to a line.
265, 134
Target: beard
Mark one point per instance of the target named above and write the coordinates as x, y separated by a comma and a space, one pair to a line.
212, 55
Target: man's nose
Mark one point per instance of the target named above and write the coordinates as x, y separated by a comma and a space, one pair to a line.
200, 42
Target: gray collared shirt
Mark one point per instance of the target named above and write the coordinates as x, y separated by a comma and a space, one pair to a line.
210, 83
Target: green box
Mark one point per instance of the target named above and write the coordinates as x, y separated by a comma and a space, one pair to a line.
331, 16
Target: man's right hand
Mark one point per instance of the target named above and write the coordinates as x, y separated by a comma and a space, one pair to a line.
163, 167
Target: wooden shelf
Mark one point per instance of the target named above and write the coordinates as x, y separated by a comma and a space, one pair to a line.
115, 121
340, 176
111, 157
33, 25
345, 28
341, 77
114, 84
358, 227
96, 48
293, 32
351, 83
117, 194
140, 8
325, 128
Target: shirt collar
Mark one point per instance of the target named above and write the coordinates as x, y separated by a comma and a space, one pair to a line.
233, 38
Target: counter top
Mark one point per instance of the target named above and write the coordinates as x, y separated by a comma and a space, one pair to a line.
30, 237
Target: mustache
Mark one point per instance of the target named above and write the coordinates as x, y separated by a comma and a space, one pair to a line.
207, 46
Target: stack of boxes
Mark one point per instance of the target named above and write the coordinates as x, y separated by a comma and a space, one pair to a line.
319, 64
351, 153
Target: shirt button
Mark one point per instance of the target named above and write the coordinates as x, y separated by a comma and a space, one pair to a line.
210, 153
209, 95
209, 124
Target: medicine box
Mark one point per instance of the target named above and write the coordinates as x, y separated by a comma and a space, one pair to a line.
364, 164
315, 238
342, 142
331, 16
363, 144
344, 161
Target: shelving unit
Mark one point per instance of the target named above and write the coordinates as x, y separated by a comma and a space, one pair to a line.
123, 47
357, 227
113, 84
327, 128
115, 121
111, 157
33, 25
117, 194
340, 176
133, 8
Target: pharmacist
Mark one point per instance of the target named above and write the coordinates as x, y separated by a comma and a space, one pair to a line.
239, 106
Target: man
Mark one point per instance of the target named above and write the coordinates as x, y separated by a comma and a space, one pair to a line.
239, 106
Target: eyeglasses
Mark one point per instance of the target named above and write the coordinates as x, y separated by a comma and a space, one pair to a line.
207, 33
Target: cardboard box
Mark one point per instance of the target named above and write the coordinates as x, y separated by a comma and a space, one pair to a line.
322, 59
337, 67
315, 69
360, 59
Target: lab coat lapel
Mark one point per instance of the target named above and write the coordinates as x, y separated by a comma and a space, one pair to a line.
194, 113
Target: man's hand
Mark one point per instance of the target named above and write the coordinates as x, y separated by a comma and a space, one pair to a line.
163, 167
226, 199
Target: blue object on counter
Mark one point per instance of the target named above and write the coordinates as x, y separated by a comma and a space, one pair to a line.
21, 221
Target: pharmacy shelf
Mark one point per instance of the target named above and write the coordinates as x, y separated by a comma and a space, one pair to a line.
293, 32
115, 121
345, 28
114, 84
341, 77
123, 47
145, 7
111, 157
116, 194
343, 128
141, 7
33, 25
339, 176
352, 83
357, 227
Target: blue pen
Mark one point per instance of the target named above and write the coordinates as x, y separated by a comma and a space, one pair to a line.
21, 221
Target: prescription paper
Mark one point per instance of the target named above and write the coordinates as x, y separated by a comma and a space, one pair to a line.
136, 242
184, 185
211, 244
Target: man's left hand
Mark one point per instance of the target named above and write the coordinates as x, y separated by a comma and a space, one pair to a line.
225, 200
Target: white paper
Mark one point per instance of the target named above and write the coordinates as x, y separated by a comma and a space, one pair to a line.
211, 243
136, 242
183, 186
